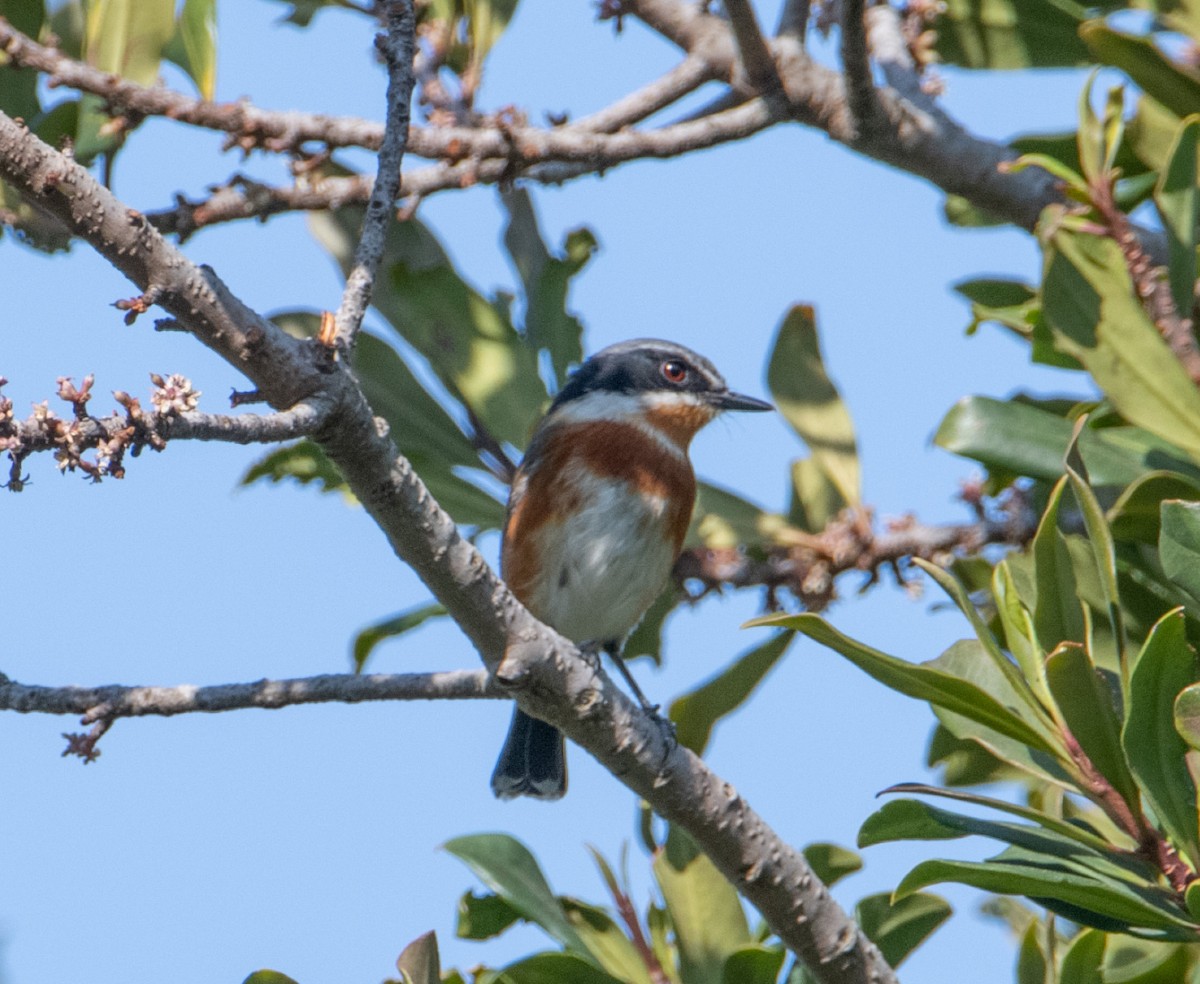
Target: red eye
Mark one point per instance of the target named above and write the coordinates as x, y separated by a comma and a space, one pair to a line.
674, 371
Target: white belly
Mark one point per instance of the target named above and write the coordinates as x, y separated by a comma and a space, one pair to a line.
605, 567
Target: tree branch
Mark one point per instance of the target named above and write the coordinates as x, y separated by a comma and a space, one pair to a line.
114, 701
861, 96
687, 76
397, 49
547, 675
755, 58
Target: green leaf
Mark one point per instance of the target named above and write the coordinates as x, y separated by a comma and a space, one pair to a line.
1175, 87
1155, 749
967, 660
1086, 702
469, 341
1057, 617
899, 927
966, 214
1019, 632
704, 908
1136, 515
921, 681
832, 862
1099, 538
1177, 196
1031, 958
507, 867
1133, 961
482, 917
1179, 546
268, 977
419, 963
808, 400
1084, 958
754, 964
696, 712
194, 45
607, 942
1020, 439
1187, 715
370, 637
724, 520
303, 462
1089, 302
1012, 34
554, 968
18, 86
1065, 828
647, 638
126, 38
1092, 900
1010, 303
815, 498
487, 20
549, 326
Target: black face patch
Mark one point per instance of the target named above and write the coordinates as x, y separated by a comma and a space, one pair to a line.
637, 367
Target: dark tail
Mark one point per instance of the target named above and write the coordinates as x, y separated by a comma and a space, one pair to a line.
533, 761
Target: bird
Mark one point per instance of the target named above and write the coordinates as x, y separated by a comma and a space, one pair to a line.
597, 514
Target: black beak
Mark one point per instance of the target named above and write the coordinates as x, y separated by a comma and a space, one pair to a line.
736, 401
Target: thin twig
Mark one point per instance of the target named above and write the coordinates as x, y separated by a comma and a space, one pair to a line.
397, 49
116, 701
686, 77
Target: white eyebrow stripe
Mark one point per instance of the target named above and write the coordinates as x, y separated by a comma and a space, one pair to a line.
622, 408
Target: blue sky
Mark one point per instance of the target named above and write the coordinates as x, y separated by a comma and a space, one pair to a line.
201, 848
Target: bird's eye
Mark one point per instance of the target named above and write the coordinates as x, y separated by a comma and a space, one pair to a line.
674, 371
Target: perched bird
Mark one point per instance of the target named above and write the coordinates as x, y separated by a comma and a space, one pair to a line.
597, 515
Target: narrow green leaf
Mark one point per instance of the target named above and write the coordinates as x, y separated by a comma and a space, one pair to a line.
370, 637
1056, 824
1086, 702
921, 681
705, 910
1019, 633
754, 964
1140, 58
1084, 959
507, 867
1031, 958
1109, 903
18, 86
1010, 303
832, 862
808, 400
1177, 196
698, 711
1156, 751
1104, 555
1091, 144
1090, 304
647, 638
1057, 617
486, 21
899, 927
419, 963
194, 45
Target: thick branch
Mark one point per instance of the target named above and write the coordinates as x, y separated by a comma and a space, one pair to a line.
856, 68
397, 48
110, 702
755, 58
546, 673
